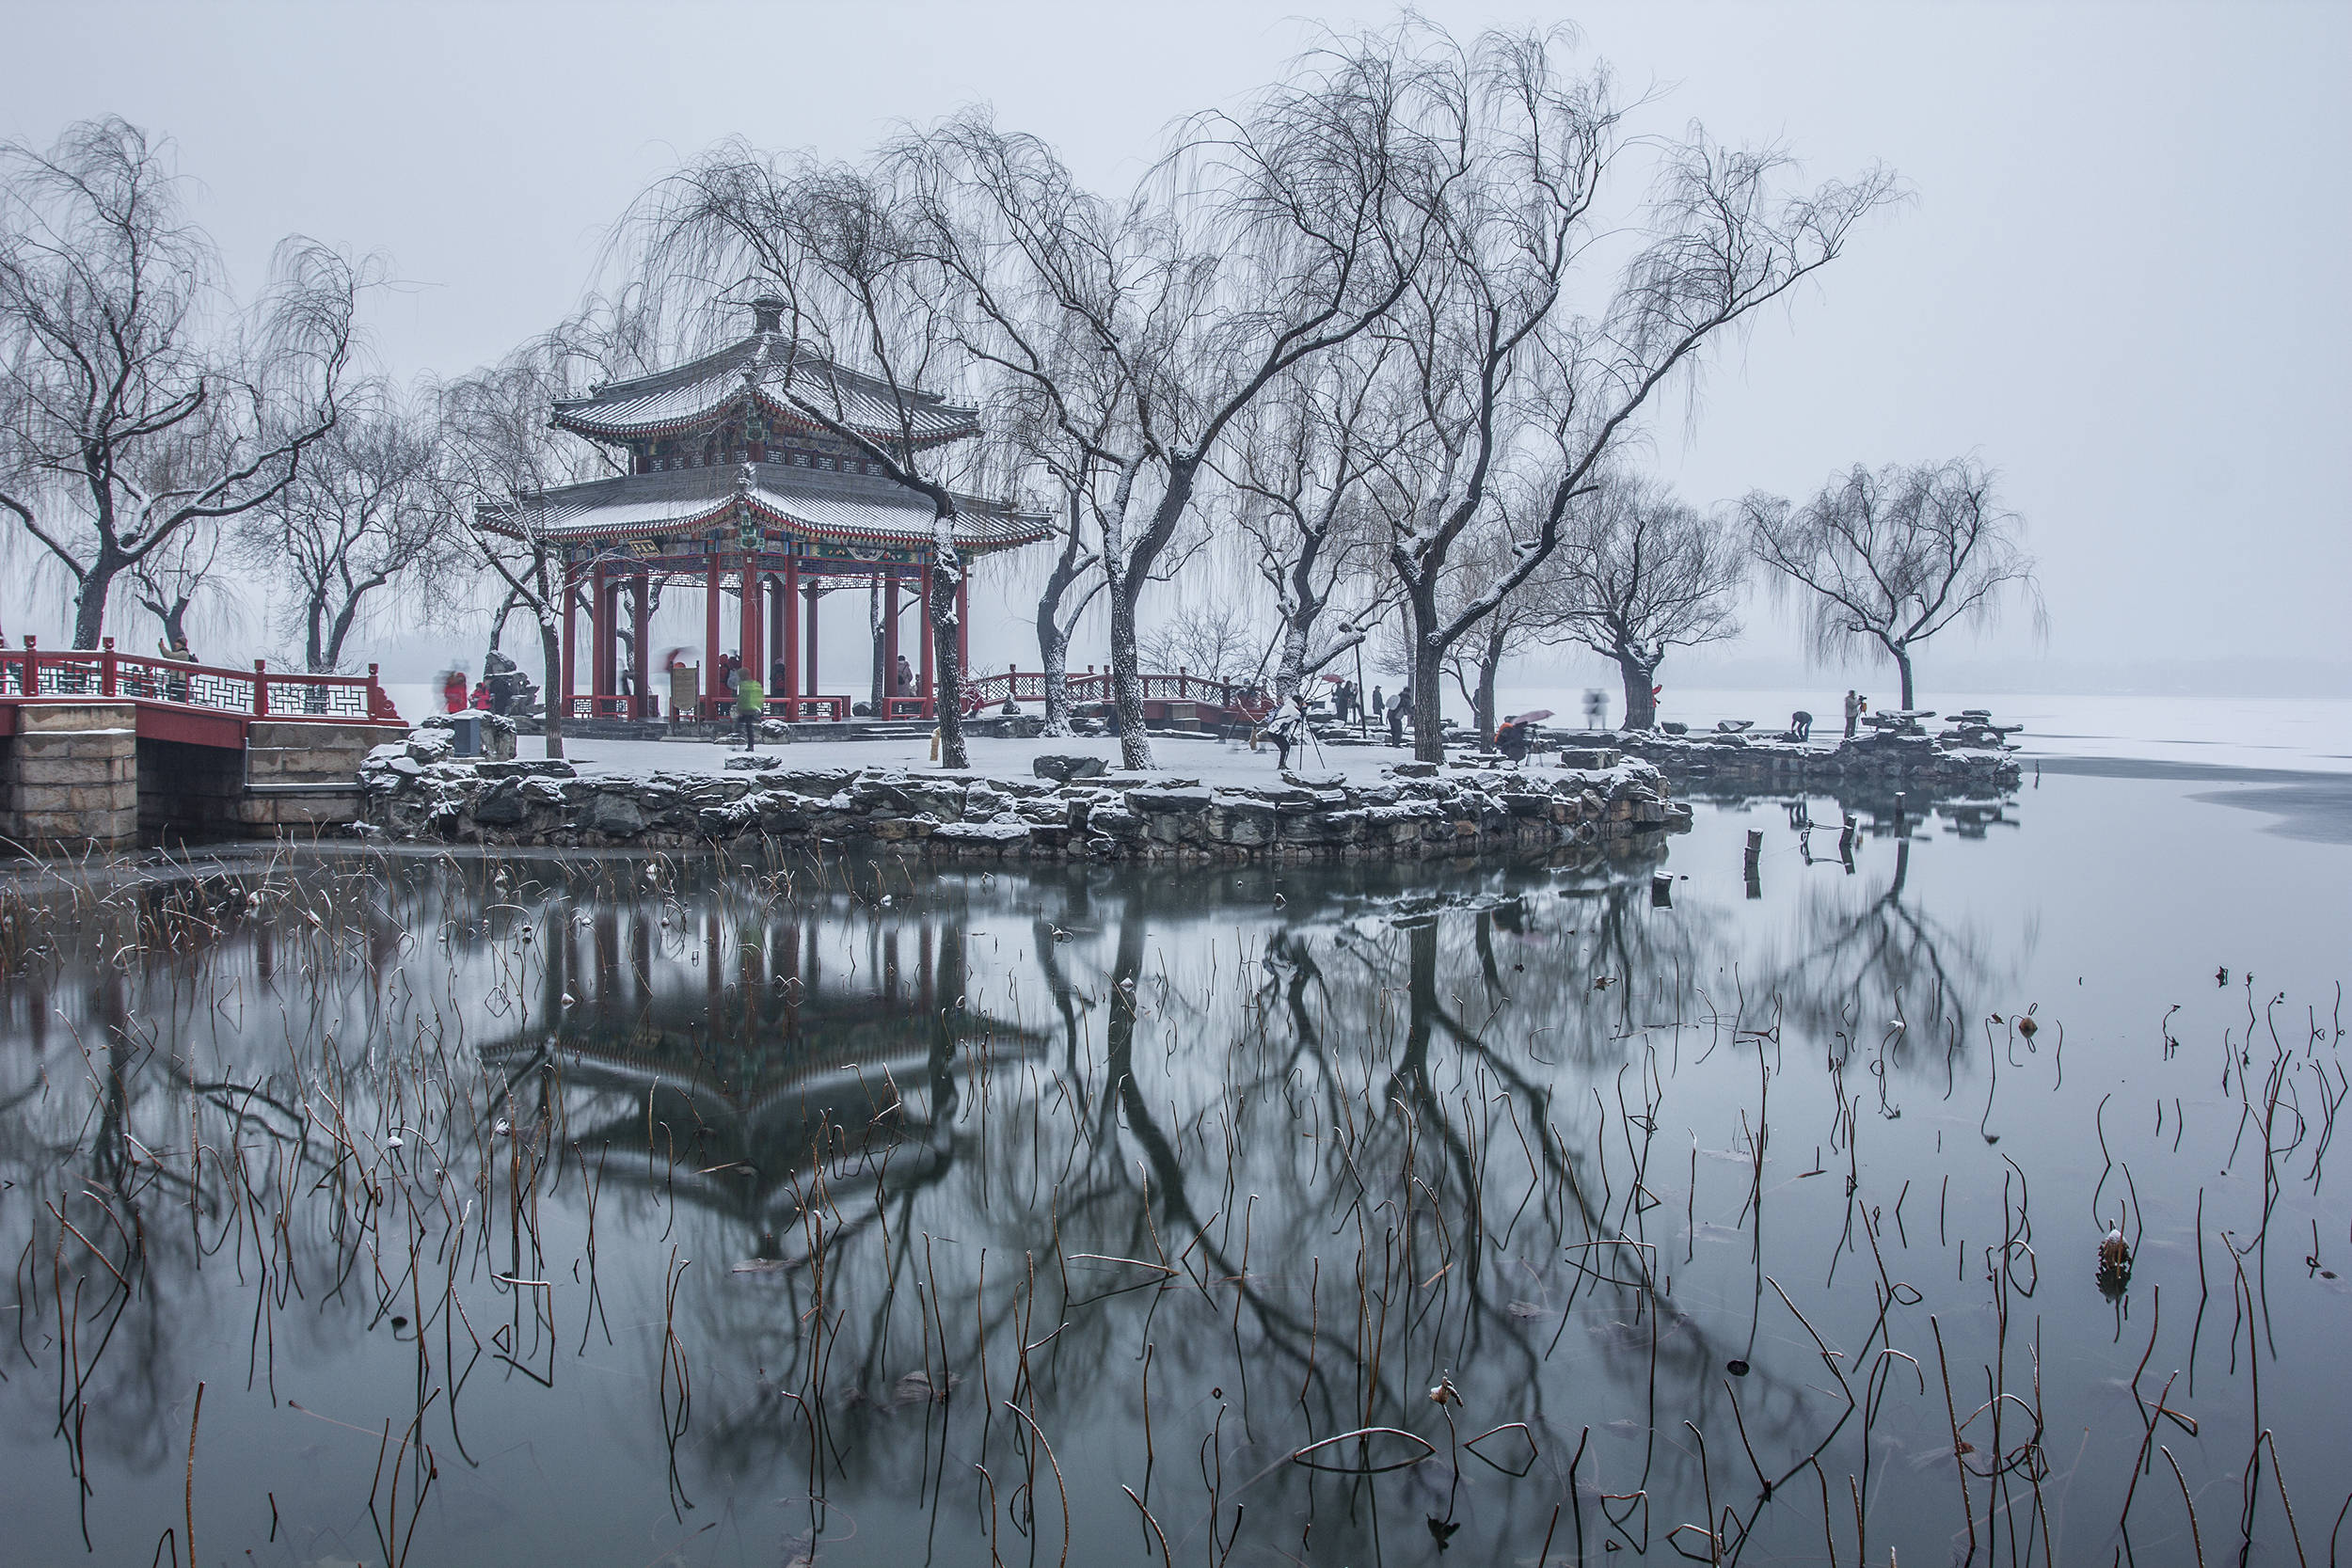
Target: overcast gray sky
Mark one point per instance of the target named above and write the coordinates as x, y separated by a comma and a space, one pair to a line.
2122, 280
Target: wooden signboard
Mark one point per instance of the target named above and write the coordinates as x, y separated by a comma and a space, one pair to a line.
686, 686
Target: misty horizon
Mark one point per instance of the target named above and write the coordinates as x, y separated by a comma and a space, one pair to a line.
2124, 308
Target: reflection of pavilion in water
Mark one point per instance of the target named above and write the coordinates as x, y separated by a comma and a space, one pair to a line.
737, 1063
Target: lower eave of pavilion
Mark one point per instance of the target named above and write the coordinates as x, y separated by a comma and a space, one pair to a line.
673, 529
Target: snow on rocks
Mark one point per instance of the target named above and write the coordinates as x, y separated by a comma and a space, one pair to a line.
1915, 761
1409, 812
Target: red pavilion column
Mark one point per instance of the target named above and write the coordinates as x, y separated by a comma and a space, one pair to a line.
713, 689
773, 584
890, 639
791, 593
753, 632
600, 635
923, 682
571, 616
964, 625
808, 654
641, 652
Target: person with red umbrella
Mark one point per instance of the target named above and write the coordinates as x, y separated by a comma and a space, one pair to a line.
1512, 734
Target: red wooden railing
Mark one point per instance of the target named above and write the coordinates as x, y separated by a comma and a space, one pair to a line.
258, 692
980, 693
1028, 686
607, 705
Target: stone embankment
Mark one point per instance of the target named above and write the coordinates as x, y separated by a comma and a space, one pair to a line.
1915, 762
416, 792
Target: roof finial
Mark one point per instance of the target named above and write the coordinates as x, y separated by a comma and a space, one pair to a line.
767, 314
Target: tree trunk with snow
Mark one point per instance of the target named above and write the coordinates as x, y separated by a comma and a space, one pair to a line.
1489, 671
497, 624
1054, 625
1134, 747
1290, 661
1641, 677
944, 618
1053, 652
89, 601
173, 613
1428, 668
550, 681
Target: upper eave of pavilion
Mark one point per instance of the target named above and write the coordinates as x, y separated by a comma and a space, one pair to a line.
811, 504
786, 381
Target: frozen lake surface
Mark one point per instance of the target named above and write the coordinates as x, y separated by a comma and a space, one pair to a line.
614, 1210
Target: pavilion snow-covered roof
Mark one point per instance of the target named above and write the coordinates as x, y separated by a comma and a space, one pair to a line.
838, 508
786, 381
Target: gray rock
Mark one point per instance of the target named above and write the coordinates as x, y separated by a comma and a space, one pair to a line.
1414, 769
998, 832
501, 805
1165, 800
617, 816
1062, 767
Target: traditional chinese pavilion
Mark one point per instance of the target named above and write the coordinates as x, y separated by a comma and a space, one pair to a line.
732, 486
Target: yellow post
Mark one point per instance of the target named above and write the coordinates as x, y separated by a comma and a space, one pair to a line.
934, 745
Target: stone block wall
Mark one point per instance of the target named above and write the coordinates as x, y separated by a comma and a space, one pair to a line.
301, 776
77, 776
70, 778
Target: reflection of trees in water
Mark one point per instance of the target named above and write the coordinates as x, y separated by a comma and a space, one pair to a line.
155, 1129
1357, 1183
1881, 973
1027, 1136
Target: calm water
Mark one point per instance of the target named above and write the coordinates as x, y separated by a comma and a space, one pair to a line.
639, 1211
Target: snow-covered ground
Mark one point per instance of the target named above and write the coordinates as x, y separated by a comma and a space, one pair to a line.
1212, 762
2304, 734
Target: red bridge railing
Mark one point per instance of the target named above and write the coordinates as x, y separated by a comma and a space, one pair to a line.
980, 693
1028, 686
258, 692
608, 705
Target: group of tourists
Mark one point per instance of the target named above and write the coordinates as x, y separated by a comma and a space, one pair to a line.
504, 688
1857, 708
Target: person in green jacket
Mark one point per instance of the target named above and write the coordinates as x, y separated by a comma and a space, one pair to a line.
751, 704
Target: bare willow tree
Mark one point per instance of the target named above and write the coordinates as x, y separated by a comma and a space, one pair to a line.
138, 404
1882, 561
361, 525
1511, 369
866, 338
1072, 579
1641, 573
1532, 612
170, 579
1305, 464
498, 456
1149, 324
1217, 642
